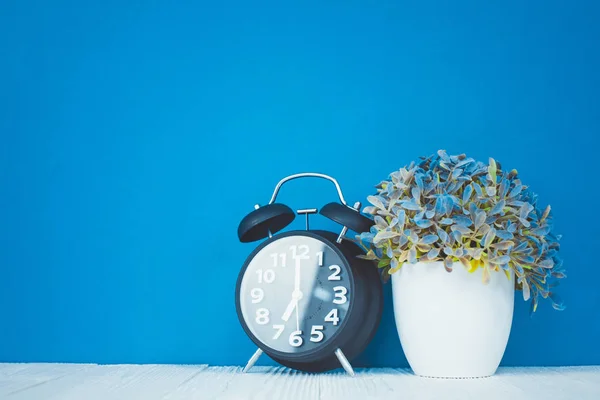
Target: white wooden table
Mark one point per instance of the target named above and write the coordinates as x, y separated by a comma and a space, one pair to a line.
149, 382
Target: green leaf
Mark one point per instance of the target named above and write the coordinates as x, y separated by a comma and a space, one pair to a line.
429, 239
526, 291
489, 238
412, 255
480, 217
546, 213
423, 248
369, 256
377, 201
492, 170
433, 253
384, 235
497, 209
395, 266
485, 275
384, 262
504, 245
385, 275
462, 229
370, 210
500, 260
534, 304
465, 263
448, 263
380, 222
490, 191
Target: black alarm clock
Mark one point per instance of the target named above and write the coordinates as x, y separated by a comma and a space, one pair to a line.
304, 297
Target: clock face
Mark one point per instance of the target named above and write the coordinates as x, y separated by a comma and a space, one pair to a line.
295, 294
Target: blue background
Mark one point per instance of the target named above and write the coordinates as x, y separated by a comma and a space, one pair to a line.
136, 135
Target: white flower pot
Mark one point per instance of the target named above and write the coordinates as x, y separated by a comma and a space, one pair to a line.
451, 325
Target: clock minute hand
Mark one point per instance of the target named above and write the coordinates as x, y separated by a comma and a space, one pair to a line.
296, 294
297, 276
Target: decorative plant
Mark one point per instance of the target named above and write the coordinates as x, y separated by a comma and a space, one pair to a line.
456, 209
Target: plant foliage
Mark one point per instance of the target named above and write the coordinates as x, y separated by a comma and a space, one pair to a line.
455, 209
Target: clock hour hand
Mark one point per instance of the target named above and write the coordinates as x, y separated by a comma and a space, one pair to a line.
296, 295
289, 310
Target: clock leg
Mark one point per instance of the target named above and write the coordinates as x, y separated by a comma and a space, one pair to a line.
344, 361
253, 360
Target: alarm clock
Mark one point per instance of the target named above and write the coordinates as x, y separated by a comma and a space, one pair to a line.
304, 297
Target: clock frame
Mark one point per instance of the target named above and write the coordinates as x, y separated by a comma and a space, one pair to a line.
364, 291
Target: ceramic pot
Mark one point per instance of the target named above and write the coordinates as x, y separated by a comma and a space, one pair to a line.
451, 325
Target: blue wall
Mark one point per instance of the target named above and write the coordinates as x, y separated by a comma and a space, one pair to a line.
135, 137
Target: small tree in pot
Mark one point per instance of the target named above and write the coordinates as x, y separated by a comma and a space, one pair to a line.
448, 213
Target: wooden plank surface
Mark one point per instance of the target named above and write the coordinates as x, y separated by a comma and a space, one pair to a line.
174, 382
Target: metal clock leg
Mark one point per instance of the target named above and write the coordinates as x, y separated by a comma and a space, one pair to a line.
344, 361
253, 360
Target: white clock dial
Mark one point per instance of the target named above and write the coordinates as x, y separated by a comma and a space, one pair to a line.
295, 294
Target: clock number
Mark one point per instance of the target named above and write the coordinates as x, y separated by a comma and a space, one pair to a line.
335, 276
280, 329
257, 295
268, 276
320, 258
332, 317
262, 316
296, 339
300, 252
340, 295
316, 334
279, 256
